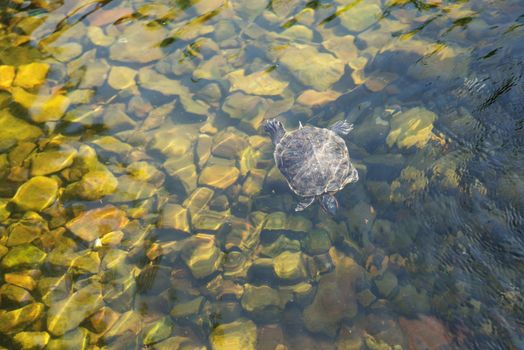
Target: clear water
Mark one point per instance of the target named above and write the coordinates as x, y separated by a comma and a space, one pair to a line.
425, 252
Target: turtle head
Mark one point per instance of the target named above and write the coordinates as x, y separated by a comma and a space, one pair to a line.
329, 203
275, 129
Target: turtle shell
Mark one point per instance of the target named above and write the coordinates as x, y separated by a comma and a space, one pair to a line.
314, 161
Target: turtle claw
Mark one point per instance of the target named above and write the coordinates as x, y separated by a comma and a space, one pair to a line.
342, 127
306, 202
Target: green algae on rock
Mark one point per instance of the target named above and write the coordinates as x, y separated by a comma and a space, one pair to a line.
240, 334
94, 223
36, 194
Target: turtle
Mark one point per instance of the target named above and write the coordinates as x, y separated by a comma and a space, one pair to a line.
315, 161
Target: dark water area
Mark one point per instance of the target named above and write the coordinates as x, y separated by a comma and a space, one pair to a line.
140, 204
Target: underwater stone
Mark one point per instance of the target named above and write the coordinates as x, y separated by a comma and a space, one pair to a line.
240, 334
23, 255
121, 77
335, 298
31, 75
188, 308
31, 340
7, 75
183, 170
129, 189
317, 242
263, 301
15, 294
289, 266
411, 128
298, 32
410, 302
98, 37
229, 143
219, 176
133, 49
42, 108
203, 149
208, 220
281, 244
93, 185
103, 319
49, 162
15, 320
312, 68
95, 223
174, 216
36, 194
254, 182
159, 331
67, 314
202, 256
75, 339
199, 199
361, 16
257, 83
386, 284
17, 129
24, 279
129, 322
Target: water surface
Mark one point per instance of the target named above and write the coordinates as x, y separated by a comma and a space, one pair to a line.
140, 206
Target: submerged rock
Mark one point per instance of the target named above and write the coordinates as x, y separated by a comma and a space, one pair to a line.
42, 108
31, 75
335, 298
257, 83
15, 320
94, 185
159, 331
16, 129
290, 266
312, 68
361, 16
219, 176
202, 256
75, 339
7, 75
69, 313
240, 334
94, 223
174, 216
36, 194
140, 44
31, 340
262, 301
411, 128
52, 161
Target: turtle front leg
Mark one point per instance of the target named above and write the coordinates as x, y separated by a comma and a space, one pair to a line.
275, 129
342, 127
304, 203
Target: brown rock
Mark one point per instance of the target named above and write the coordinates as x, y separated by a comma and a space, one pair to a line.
94, 223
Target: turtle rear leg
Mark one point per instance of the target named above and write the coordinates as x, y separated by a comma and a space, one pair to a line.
342, 127
275, 129
304, 203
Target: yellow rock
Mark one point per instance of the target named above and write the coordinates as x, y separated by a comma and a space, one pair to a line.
312, 98
289, 265
36, 194
31, 340
121, 77
95, 223
98, 37
7, 75
240, 334
18, 129
258, 83
31, 75
42, 108
411, 128
219, 176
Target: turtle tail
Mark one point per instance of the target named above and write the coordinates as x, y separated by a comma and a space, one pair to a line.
275, 129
